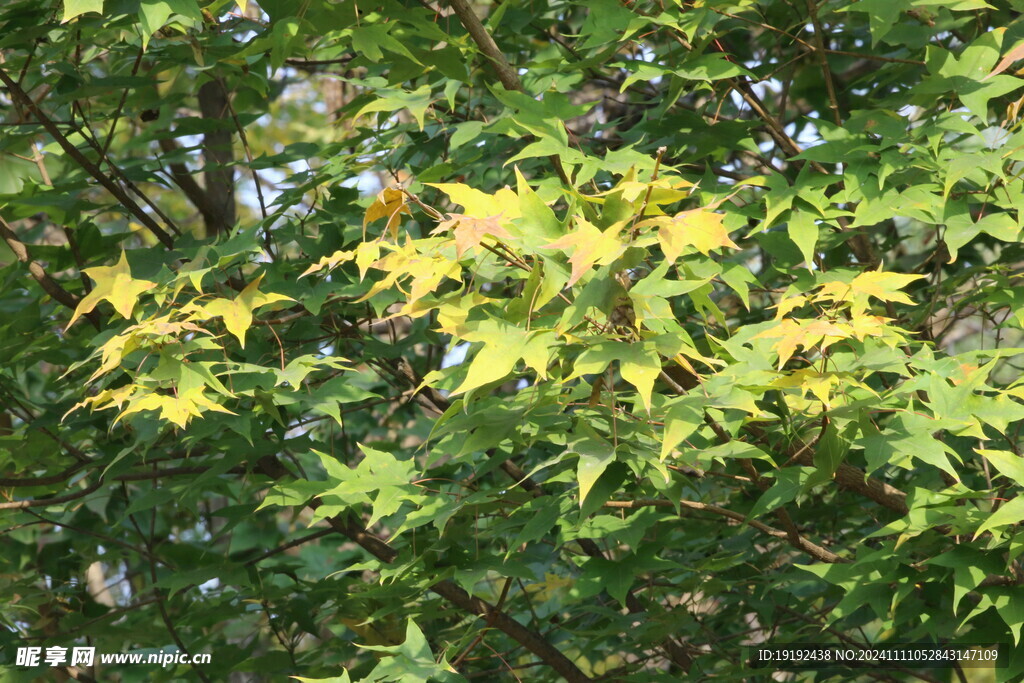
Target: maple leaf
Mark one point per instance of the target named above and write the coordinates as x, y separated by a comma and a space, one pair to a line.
389, 203
469, 231
868, 326
793, 334
178, 409
329, 262
879, 284
664, 190
427, 273
700, 228
551, 587
589, 246
884, 286
116, 285
237, 313
477, 203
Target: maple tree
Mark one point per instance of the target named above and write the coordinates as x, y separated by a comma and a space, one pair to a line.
600, 340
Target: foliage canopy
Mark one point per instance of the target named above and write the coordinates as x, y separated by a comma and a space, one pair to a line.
591, 340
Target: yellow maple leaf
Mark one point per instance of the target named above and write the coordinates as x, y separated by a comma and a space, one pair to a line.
116, 285
825, 332
427, 273
329, 262
868, 326
790, 336
390, 203
179, 409
589, 246
884, 286
664, 190
788, 304
475, 203
469, 231
237, 312
793, 334
701, 229
879, 284
551, 587
809, 379
454, 312
105, 399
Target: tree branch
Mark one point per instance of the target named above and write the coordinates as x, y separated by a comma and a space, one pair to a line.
506, 73
56, 500
219, 157
820, 52
49, 285
814, 550
183, 179
88, 166
448, 590
291, 544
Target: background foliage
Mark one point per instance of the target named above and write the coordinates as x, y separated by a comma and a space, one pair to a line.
584, 340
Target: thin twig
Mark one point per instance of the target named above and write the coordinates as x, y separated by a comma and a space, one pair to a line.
819, 50
88, 166
650, 188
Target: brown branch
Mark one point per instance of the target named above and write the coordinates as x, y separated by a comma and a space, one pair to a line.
852, 478
170, 472
676, 652
56, 500
120, 107
289, 545
792, 532
103, 537
819, 51
161, 602
846, 476
304, 63
506, 73
112, 614
49, 285
27, 482
90, 139
255, 176
861, 246
432, 400
183, 179
218, 155
490, 622
814, 550
448, 590
24, 482
88, 166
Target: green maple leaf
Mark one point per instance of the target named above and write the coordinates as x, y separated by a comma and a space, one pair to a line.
116, 285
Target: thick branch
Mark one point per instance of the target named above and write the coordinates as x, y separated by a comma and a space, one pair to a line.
506, 74
531, 640
219, 174
184, 180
